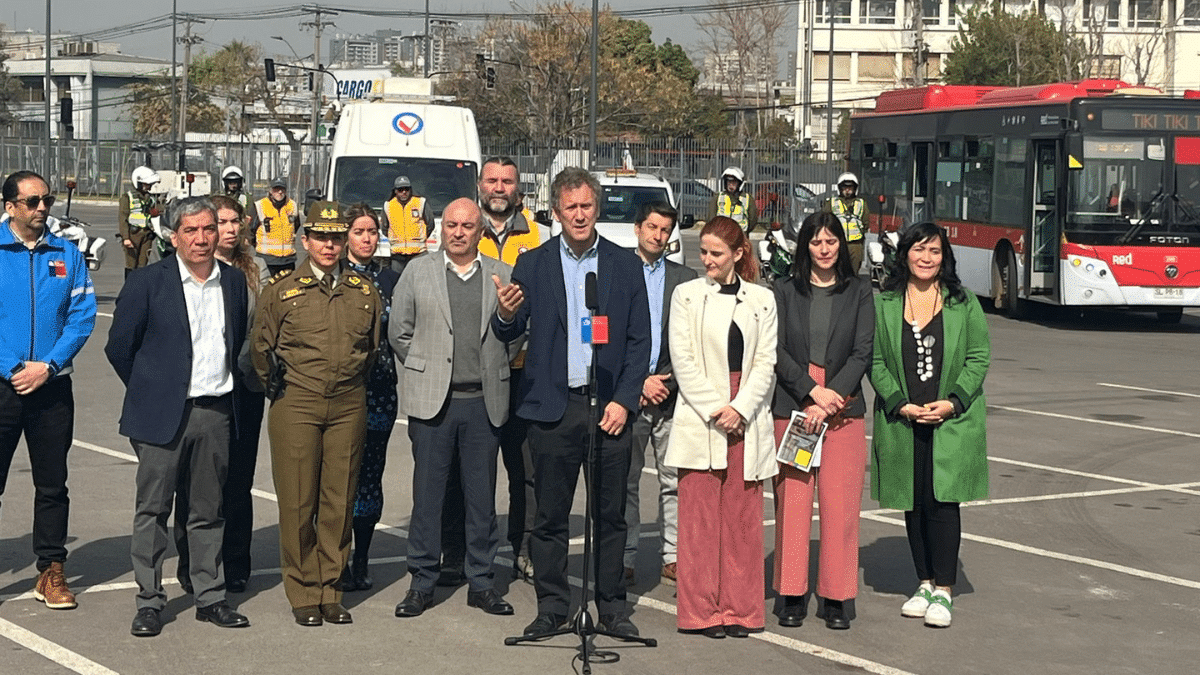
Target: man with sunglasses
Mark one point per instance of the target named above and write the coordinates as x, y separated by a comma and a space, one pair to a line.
49, 307
407, 221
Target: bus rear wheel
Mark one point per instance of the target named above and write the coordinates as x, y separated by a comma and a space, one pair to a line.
1004, 285
1170, 316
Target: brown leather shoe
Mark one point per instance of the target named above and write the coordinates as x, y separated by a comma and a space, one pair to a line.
309, 615
668, 574
336, 613
51, 588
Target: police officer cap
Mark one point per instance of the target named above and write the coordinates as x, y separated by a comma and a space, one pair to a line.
325, 217
401, 182
279, 183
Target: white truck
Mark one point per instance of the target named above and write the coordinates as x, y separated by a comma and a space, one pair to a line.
404, 131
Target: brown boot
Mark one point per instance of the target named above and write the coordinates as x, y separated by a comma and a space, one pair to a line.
668, 574
52, 588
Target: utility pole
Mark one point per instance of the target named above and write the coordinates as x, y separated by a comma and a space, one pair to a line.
46, 164
918, 43
174, 71
318, 25
187, 41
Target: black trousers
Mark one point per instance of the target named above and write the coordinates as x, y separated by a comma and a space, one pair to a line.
934, 528
47, 419
559, 449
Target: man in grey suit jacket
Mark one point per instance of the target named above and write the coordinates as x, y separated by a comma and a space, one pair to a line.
652, 426
455, 393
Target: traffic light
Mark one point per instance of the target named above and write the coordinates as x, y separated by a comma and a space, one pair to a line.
479, 72
270, 65
491, 77
312, 84
66, 108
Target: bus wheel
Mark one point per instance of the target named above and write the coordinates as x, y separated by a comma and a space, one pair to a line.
1170, 316
1004, 285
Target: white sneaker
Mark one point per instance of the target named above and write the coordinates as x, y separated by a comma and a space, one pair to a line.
939, 611
916, 606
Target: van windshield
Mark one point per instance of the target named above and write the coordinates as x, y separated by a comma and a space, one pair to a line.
370, 179
619, 203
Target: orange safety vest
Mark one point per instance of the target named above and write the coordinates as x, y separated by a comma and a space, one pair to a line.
514, 245
279, 239
406, 223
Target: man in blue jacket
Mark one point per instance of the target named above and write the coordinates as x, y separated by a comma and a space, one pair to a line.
47, 312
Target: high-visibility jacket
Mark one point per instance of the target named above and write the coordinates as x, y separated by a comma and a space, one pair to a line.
407, 228
737, 210
276, 232
851, 216
139, 210
523, 235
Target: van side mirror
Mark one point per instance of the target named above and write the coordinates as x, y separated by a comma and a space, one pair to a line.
688, 222
312, 195
542, 217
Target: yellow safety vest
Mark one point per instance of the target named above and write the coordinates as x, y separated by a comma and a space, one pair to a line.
735, 210
139, 218
407, 225
279, 240
851, 217
514, 245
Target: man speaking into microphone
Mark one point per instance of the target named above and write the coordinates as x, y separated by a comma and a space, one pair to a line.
549, 296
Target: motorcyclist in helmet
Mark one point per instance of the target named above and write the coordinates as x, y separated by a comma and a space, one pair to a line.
136, 208
852, 211
733, 203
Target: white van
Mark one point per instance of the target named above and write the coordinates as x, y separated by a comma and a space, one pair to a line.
623, 191
436, 146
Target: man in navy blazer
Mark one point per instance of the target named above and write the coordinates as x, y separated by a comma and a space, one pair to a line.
547, 297
177, 329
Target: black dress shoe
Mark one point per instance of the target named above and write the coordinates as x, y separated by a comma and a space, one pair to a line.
452, 575
309, 615
236, 585
714, 632
489, 601
362, 580
186, 584
736, 631
413, 604
336, 613
794, 611
619, 625
544, 624
835, 616
221, 614
147, 623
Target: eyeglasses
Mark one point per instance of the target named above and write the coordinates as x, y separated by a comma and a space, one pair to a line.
32, 202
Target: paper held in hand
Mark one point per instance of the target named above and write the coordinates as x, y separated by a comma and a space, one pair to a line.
799, 448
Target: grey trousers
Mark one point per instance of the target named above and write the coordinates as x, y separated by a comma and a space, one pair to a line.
197, 459
652, 427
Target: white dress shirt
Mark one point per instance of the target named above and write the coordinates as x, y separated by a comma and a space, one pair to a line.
211, 375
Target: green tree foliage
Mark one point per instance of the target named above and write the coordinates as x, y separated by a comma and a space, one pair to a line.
151, 101
10, 89
996, 48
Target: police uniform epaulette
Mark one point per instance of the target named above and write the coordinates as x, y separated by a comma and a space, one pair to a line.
280, 276
357, 282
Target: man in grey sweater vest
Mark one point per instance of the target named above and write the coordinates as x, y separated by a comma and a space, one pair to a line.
455, 394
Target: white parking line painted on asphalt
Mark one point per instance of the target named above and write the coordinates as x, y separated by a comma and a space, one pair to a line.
1095, 476
1044, 553
105, 314
1178, 487
1153, 391
55, 652
1089, 420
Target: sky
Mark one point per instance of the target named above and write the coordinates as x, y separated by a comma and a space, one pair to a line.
81, 16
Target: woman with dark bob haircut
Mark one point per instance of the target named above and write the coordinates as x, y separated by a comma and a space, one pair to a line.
929, 448
826, 326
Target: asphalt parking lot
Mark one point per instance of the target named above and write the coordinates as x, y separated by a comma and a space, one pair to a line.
1086, 558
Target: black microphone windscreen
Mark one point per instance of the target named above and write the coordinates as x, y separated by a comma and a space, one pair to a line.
589, 291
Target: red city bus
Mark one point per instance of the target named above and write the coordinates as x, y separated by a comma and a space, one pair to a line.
1078, 194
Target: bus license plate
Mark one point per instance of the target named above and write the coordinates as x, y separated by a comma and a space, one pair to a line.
1168, 293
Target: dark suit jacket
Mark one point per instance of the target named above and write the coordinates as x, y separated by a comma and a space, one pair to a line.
847, 357
621, 365
150, 346
676, 274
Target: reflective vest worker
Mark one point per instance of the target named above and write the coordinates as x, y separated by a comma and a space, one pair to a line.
731, 202
275, 221
136, 208
407, 223
852, 211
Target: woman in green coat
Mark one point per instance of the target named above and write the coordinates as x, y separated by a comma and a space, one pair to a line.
929, 450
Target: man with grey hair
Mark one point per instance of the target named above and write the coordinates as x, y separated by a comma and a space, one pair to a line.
557, 393
177, 329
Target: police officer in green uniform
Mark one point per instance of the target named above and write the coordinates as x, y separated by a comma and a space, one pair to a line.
316, 331
134, 212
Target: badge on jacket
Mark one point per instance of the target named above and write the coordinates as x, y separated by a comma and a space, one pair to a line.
58, 268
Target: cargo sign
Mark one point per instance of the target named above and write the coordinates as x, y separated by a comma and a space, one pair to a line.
360, 82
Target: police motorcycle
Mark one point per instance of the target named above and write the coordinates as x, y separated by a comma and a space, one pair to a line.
777, 249
75, 231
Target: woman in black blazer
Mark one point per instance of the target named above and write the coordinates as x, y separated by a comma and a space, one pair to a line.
826, 330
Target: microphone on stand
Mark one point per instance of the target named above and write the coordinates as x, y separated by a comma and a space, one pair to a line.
595, 326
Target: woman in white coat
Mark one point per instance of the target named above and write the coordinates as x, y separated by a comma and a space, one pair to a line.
722, 338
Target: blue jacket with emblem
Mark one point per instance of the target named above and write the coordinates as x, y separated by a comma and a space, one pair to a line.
47, 303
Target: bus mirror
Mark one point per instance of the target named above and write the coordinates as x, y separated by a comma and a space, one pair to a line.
1074, 151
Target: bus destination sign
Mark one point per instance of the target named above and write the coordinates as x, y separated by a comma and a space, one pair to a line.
1151, 120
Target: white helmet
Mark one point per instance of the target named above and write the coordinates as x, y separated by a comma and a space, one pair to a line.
736, 173
231, 172
144, 175
848, 178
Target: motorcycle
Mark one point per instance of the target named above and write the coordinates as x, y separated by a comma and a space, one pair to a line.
74, 230
776, 250
881, 253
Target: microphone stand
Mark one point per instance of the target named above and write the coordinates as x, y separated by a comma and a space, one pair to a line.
582, 624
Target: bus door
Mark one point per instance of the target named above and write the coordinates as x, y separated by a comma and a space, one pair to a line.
921, 154
1041, 255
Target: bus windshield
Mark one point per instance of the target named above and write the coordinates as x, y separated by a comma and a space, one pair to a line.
1128, 191
369, 179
